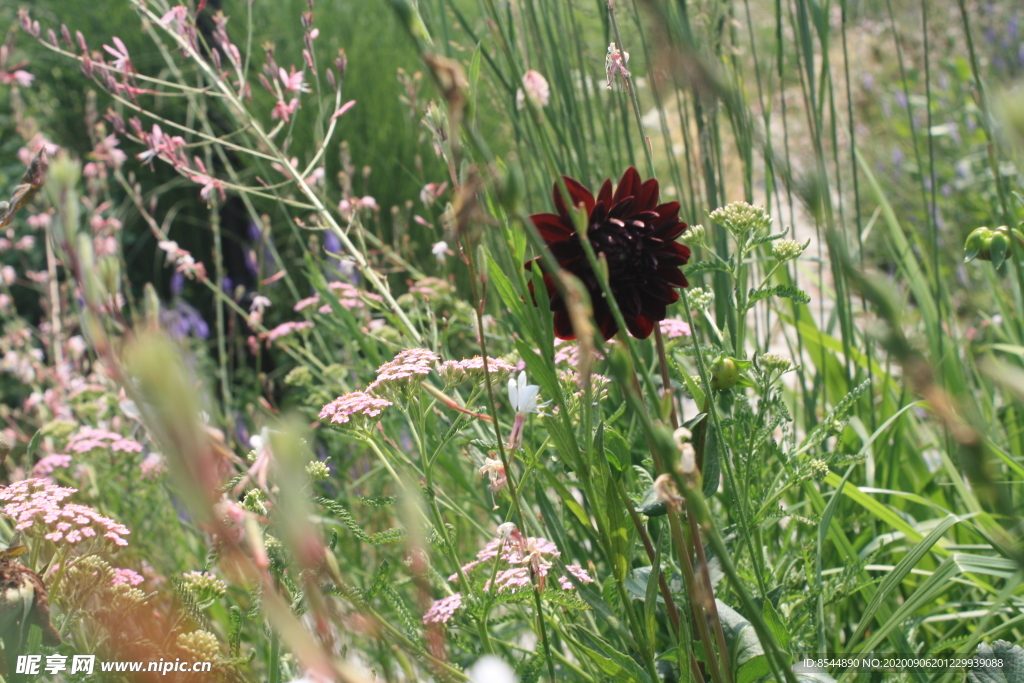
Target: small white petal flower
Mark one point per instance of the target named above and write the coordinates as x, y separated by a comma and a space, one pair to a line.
440, 251
523, 396
490, 669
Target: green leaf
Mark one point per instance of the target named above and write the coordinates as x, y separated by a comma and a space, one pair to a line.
776, 625
617, 450
612, 662
1011, 669
704, 267
783, 291
651, 505
33, 445
745, 652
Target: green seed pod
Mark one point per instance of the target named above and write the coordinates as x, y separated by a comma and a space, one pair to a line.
999, 246
725, 373
977, 244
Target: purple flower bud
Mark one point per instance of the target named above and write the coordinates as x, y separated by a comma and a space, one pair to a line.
177, 283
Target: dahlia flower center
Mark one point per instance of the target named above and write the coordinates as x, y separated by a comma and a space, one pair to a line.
622, 244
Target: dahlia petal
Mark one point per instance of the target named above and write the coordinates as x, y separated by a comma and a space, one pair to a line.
577, 193
551, 227
604, 318
647, 197
566, 252
629, 185
563, 326
668, 213
605, 194
655, 310
672, 276
640, 326
662, 294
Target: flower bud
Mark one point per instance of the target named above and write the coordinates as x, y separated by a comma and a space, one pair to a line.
977, 244
787, 250
725, 373
694, 236
988, 245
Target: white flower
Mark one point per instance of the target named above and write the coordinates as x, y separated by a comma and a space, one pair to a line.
523, 396
491, 669
440, 251
259, 302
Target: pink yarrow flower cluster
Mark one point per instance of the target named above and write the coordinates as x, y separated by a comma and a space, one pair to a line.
91, 438
673, 329
404, 372
128, 576
35, 505
454, 372
49, 463
527, 555
442, 610
356, 409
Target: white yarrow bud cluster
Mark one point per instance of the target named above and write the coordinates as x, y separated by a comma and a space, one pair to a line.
700, 298
742, 219
787, 250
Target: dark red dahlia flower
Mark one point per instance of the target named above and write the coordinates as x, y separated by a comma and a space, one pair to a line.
636, 234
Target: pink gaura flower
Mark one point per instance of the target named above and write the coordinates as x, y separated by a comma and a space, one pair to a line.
343, 108
122, 61
495, 470
284, 111
176, 17
13, 73
292, 82
284, 329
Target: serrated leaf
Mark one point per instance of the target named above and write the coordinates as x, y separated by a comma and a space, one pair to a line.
1010, 657
380, 501
782, 291
380, 579
704, 267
